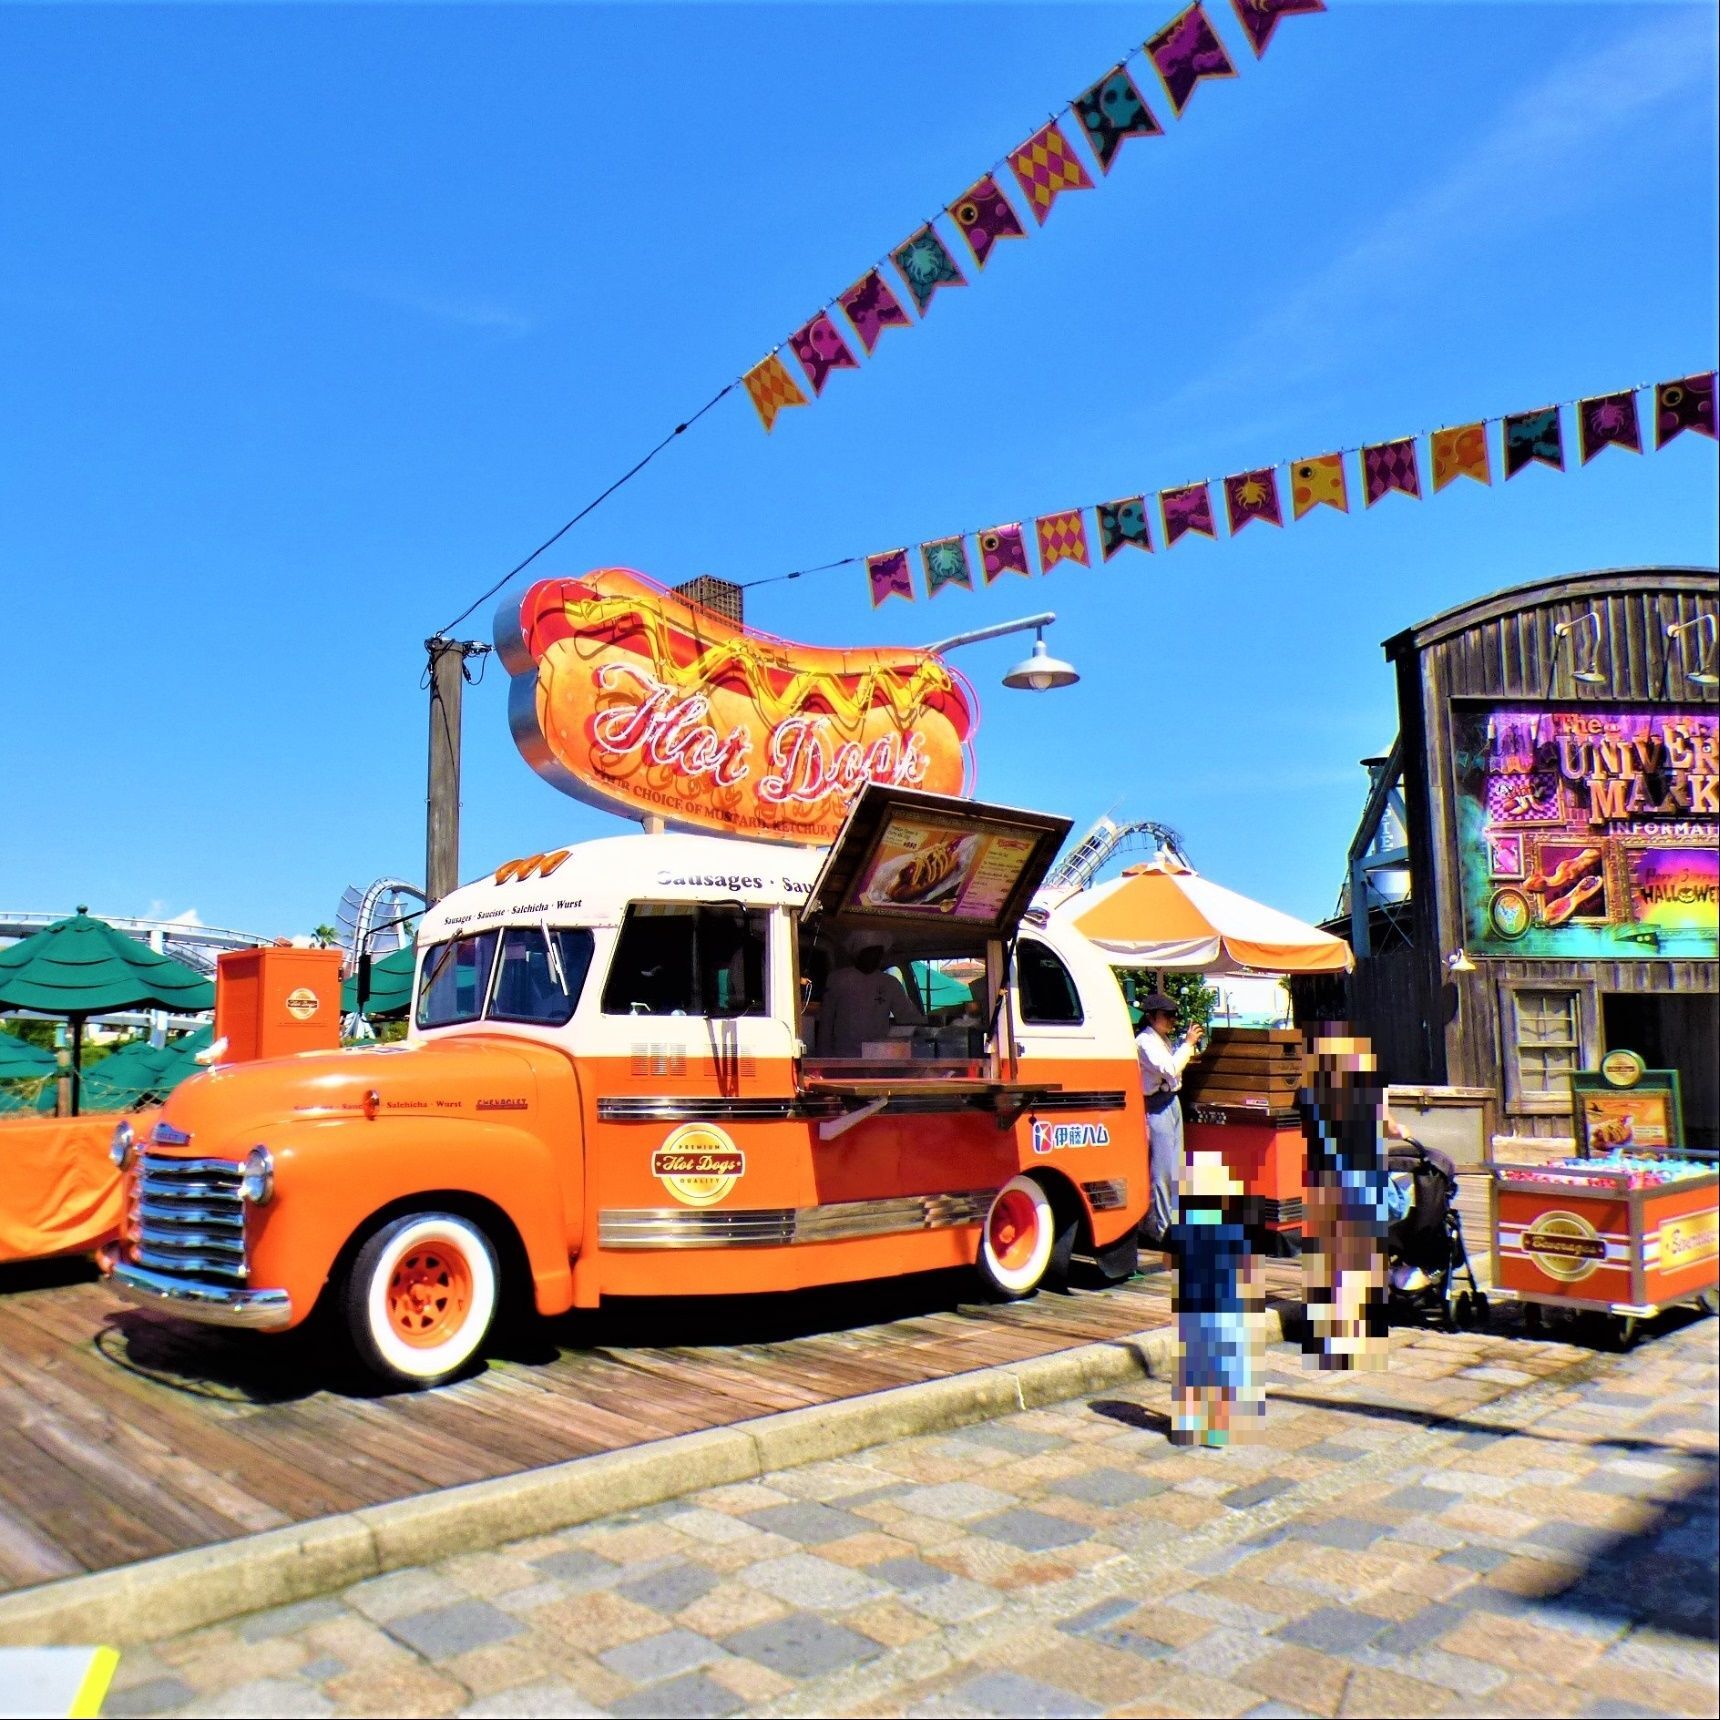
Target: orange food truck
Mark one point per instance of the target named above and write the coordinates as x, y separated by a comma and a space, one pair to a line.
621, 1079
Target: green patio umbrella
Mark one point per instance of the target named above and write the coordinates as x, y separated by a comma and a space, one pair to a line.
390, 986
26, 1072
81, 967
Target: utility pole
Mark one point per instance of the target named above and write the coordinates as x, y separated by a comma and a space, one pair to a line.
446, 681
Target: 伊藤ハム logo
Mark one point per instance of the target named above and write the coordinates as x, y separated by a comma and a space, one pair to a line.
1047, 1137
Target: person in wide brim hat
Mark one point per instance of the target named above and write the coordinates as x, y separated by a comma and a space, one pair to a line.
1162, 1056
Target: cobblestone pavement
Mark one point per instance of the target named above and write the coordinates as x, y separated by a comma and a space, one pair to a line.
1496, 1526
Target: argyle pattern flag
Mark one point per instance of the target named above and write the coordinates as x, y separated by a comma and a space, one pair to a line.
1002, 550
1252, 496
1389, 466
1186, 51
1460, 452
872, 307
1044, 167
1187, 510
1687, 404
1124, 522
1259, 18
946, 563
1608, 421
821, 349
1111, 112
983, 215
1319, 482
772, 389
1062, 537
926, 264
889, 576
1534, 438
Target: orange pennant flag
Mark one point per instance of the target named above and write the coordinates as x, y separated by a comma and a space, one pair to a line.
1460, 452
772, 389
1319, 480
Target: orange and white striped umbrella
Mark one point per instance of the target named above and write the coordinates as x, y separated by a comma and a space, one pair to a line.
1164, 916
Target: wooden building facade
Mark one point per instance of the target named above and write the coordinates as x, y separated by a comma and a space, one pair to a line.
1555, 777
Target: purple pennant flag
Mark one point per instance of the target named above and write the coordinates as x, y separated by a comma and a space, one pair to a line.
1252, 496
984, 215
1187, 510
821, 349
1687, 404
1186, 50
872, 308
1609, 420
1534, 437
890, 577
1259, 18
1002, 550
1390, 466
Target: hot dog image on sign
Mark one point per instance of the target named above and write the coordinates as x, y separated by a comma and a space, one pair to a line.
636, 700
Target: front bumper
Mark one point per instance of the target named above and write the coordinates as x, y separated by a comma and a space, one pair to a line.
259, 1310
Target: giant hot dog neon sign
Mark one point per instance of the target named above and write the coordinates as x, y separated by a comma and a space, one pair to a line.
630, 698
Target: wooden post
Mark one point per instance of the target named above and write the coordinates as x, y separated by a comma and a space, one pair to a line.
442, 801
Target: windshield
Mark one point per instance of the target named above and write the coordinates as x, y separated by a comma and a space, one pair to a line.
525, 973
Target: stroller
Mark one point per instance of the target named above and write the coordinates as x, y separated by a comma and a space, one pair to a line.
1425, 1253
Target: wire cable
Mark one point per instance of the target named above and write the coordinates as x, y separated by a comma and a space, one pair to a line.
596, 501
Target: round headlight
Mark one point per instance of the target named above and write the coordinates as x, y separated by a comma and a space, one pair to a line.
120, 1150
257, 1184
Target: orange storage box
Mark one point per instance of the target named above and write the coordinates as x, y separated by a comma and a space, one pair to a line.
276, 1001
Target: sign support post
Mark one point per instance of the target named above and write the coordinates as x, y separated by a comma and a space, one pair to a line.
446, 680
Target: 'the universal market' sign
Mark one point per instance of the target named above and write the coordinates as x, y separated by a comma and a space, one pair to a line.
632, 699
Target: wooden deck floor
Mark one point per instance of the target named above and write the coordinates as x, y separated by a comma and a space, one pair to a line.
124, 1434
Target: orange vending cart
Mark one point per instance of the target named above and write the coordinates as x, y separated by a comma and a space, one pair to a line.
1616, 1241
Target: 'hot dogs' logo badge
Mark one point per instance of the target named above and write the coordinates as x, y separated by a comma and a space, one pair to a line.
698, 1164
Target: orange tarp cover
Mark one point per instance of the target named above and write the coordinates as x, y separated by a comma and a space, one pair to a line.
59, 1191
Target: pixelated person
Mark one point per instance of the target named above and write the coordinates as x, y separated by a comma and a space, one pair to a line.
1219, 1308
1345, 1211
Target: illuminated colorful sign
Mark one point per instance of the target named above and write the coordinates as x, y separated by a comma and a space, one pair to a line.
920, 867
637, 701
1588, 833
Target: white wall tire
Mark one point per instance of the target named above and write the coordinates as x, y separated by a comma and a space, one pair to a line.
1016, 1239
421, 1298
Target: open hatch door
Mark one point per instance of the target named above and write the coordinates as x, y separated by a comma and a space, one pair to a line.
907, 858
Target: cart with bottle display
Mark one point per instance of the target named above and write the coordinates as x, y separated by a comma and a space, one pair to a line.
1628, 1226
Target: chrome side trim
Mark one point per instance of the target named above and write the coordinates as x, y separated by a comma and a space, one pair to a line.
841, 1221
260, 1310
674, 1108
671, 1108
1096, 1101
1109, 1194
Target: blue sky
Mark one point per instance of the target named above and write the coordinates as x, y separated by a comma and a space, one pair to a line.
315, 320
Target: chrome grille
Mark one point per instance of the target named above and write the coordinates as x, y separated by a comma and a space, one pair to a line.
188, 1218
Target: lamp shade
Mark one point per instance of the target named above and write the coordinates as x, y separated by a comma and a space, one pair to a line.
1041, 671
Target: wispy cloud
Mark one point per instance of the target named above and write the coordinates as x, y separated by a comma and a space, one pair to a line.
474, 311
1561, 142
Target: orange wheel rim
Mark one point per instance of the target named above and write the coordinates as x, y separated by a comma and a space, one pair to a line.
429, 1294
1013, 1229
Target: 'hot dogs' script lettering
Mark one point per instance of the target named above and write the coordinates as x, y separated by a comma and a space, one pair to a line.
638, 701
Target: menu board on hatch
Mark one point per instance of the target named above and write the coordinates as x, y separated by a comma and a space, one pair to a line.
925, 869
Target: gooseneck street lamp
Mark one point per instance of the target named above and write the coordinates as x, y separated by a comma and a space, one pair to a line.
1036, 673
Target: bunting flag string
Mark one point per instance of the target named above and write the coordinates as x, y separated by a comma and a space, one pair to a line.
1392, 467
1106, 115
